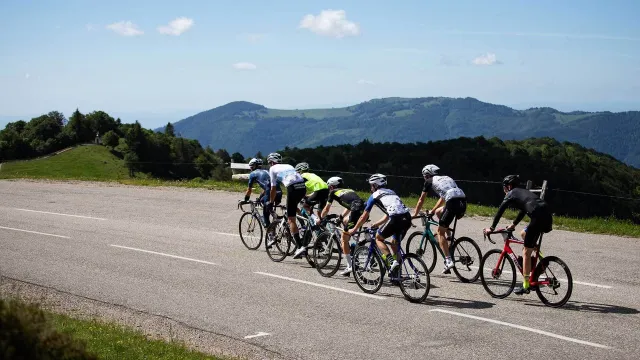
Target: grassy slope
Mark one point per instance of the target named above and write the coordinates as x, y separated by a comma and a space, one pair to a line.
110, 341
98, 164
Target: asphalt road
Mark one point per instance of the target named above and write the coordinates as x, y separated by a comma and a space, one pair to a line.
176, 252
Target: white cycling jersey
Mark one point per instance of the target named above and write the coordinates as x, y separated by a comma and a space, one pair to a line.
284, 174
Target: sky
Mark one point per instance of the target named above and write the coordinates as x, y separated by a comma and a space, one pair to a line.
158, 61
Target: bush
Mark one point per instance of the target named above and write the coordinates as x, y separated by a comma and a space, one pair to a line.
26, 334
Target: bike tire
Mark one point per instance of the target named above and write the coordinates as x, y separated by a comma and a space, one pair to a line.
428, 255
244, 238
491, 265
281, 244
360, 257
466, 259
325, 250
309, 254
415, 264
541, 268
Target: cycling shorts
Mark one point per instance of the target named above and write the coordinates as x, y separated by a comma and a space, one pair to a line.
295, 193
319, 198
397, 226
541, 222
454, 208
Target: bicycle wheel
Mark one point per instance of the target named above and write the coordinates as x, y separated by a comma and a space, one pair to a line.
415, 280
553, 270
367, 269
464, 253
498, 281
428, 251
327, 254
252, 227
278, 251
310, 245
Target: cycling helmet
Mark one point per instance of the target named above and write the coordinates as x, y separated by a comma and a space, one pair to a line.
335, 181
430, 170
378, 179
253, 163
513, 180
303, 166
274, 157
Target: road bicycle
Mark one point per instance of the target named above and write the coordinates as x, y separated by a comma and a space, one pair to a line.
327, 251
549, 275
463, 251
369, 269
251, 224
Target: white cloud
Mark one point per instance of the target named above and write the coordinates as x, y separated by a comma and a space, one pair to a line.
125, 28
486, 59
27, 76
176, 26
332, 23
365, 82
244, 66
90, 27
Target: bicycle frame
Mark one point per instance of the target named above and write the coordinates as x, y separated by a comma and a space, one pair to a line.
507, 251
428, 234
374, 250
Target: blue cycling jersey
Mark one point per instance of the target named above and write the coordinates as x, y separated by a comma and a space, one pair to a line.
261, 177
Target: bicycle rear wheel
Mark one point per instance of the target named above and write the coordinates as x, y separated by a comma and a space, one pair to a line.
428, 251
554, 271
367, 269
278, 251
496, 280
327, 254
464, 253
415, 280
252, 235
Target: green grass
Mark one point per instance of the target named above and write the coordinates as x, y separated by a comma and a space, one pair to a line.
111, 341
96, 163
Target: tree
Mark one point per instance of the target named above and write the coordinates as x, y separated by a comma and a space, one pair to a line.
101, 122
110, 139
169, 130
237, 157
131, 160
224, 155
79, 128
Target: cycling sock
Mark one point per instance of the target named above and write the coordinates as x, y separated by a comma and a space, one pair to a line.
395, 257
296, 237
349, 260
448, 258
525, 282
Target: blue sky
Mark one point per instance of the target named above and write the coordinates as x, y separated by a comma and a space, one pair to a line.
163, 60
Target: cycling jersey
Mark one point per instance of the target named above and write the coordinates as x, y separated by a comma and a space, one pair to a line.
314, 182
345, 197
261, 177
525, 201
444, 186
284, 174
387, 201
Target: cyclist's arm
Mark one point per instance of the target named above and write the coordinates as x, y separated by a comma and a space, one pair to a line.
519, 217
419, 204
361, 221
381, 221
438, 204
249, 188
325, 211
501, 210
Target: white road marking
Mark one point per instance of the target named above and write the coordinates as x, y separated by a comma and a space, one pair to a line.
564, 280
228, 234
546, 333
257, 335
53, 213
35, 232
322, 286
163, 254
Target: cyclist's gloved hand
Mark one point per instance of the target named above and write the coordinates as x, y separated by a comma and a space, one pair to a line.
511, 227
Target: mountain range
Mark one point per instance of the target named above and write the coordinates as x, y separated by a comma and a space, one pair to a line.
247, 128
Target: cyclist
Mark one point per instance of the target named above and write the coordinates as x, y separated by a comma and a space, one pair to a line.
455, 206
317, 189
396, 221
286, 175
261, 176
353, 205
541, 221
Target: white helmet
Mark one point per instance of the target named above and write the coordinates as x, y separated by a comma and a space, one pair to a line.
378, 179
274, 157
253, 163
335, 181
430, 170
303, 166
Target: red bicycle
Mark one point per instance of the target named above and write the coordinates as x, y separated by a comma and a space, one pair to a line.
547, 279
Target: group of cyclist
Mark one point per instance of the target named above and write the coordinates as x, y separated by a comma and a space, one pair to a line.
309, 188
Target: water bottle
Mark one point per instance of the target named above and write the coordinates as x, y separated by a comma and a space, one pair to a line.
314, 218
352, 246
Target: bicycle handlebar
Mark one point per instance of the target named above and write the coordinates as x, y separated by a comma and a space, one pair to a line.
487, 235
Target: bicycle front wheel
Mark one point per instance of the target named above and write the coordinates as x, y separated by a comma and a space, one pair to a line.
427, 252
327, 254
278, 250
498, 279
466, 255
554, 275
251, 231
367, 269
415, 280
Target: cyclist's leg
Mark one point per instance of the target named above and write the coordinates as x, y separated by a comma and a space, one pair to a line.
310, 201
295, 193
321, 199
265, 209
531, 235
449, 212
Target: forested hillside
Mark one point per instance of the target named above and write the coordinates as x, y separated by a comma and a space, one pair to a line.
247, 128
478, 162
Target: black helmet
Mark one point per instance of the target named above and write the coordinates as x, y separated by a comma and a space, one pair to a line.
513, 180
